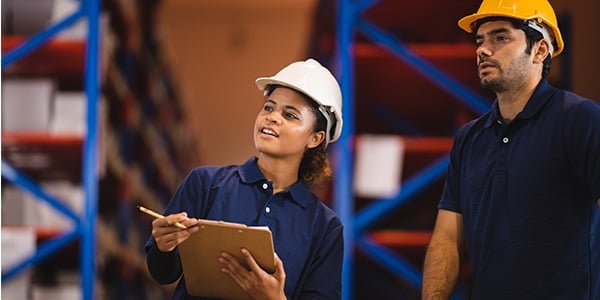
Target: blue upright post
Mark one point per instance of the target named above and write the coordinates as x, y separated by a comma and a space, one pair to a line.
344, 200
90, 151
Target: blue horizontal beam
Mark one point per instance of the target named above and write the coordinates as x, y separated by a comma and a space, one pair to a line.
364, 5
20, 180
390, 42
42, 252
391, 261
378, 209
40, 38
397, 265
395, 120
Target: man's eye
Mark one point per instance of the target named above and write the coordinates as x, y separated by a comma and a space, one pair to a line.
267, 108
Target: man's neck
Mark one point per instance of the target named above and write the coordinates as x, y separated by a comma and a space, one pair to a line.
513, 101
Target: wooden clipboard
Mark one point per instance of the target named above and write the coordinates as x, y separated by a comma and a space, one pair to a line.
200, 252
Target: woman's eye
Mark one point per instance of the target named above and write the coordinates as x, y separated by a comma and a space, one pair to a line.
267, 108
291, 115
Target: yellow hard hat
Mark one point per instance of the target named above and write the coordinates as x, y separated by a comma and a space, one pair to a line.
537, 10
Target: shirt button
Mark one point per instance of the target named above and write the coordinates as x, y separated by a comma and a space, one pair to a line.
265, 186
268, 209
505, 140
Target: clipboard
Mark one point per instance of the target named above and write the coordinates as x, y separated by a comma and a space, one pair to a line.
199, 256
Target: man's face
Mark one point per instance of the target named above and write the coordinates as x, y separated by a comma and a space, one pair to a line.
502, 60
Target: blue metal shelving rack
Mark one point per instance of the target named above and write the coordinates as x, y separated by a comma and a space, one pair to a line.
356, 223
84, 225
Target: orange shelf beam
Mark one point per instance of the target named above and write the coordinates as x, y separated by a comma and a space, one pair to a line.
397, 238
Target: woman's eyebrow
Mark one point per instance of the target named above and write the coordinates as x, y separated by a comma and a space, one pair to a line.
271, 101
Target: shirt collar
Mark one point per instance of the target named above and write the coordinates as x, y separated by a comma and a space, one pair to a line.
251, 174
541, 95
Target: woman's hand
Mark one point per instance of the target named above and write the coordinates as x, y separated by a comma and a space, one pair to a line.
258, 283
168, 236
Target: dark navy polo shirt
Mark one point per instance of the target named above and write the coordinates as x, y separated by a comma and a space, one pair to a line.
527, 193
307, 235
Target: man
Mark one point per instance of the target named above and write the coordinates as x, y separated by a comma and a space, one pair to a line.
523, 183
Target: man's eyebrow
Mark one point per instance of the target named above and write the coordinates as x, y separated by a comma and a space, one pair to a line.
491, 32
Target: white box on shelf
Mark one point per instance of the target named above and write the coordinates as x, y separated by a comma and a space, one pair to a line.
379, 163
56, 292
67, 193
26, 104
17, 244
68, 113
25, 17
68, 286
18, 208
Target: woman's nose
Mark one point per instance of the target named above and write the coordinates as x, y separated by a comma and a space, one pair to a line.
273, 117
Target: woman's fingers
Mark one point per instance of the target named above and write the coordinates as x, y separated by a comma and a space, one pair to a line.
251, 262
167, 235
254, 279
232, 267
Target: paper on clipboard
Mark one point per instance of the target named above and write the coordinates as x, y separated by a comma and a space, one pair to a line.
200, 252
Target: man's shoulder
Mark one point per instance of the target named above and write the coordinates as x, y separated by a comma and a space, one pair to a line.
577, 107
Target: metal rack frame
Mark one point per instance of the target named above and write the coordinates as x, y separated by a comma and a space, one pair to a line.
349, 21
84, 226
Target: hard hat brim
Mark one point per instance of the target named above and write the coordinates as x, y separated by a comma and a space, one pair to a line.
466, 24
263, 82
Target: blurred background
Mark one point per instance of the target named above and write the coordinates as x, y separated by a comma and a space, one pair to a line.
176, 90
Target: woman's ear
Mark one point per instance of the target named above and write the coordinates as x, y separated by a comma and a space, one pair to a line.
316, 138
542, 50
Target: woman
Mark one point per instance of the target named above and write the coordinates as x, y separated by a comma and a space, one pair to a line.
300, 116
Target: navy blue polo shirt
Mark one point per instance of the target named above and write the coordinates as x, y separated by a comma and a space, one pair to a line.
527, 193
307, 235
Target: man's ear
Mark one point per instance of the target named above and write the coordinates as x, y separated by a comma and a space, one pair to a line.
316, 138
541, 51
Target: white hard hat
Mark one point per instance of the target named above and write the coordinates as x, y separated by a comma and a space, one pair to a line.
315, 81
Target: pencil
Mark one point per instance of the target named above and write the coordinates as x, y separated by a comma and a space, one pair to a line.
158, 216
